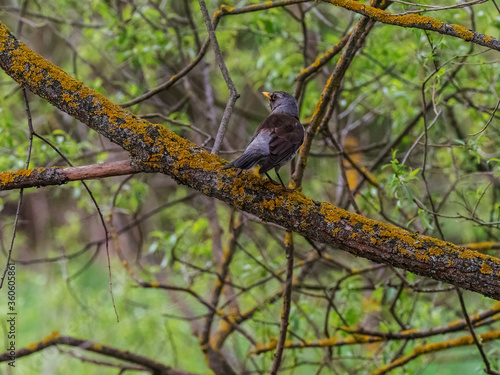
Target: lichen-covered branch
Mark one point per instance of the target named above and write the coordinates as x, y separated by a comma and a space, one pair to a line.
361, 336
436, 347
156, 149
36, 177
418, 22
55, 339
365, 339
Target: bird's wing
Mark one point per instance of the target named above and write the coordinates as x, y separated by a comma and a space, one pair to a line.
287, 134
257, 149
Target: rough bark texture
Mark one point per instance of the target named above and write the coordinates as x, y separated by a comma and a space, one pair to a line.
157, 149
38, 177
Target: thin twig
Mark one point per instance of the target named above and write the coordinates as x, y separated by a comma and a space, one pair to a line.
437, 8
21, 191
496, 6
489, 121
103, 221
233, 94
166, 85
424, 162
287, 301
488, 369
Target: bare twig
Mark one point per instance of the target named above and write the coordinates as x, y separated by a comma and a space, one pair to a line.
21, 191
488, 369
489, 120
433, 8
287, 301
233, 94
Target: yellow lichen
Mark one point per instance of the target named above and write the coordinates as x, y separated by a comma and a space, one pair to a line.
436, 251
155, 284
9, 177
485, 268
467, 254
52, 336
31, 347
463, 32
421, 256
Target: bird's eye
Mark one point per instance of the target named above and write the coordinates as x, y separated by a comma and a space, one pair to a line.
273, 97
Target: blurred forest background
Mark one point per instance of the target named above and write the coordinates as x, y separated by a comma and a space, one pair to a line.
372, 156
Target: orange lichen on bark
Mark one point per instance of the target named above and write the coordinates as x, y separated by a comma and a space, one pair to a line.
485, 268
463, 32
402, 250
421, 256
416, 21
467, 254
33, 68
155, 284
433, 250
321, 343
8, 177
223, 10
387, 17
410, 240
436, 347
332, 214
470, 254
52, 336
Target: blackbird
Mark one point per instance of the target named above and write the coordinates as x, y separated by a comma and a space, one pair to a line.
276, 140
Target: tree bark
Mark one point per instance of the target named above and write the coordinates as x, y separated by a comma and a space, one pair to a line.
38, 177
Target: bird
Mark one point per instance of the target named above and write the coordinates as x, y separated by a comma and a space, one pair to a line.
276, 140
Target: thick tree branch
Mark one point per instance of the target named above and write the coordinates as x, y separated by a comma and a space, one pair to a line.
156, 149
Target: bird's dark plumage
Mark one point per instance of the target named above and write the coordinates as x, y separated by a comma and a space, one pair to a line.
276, 140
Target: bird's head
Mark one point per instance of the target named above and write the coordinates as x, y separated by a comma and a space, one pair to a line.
281, 102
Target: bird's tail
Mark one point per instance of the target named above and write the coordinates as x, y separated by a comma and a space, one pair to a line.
245, 161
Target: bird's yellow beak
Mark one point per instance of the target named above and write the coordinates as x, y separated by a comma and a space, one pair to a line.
267, 94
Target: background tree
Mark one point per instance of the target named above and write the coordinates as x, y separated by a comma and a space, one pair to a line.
399, 102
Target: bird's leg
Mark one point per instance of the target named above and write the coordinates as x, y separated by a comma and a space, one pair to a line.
277, 174
274, 182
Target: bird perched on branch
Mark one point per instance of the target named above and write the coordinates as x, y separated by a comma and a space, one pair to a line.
276, 140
